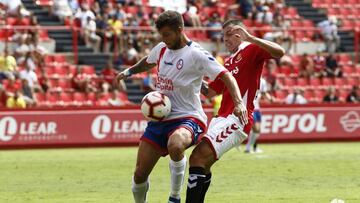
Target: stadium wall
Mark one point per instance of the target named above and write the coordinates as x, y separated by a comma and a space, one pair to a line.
85, 127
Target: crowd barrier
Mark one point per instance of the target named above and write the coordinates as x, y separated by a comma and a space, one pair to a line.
37, 128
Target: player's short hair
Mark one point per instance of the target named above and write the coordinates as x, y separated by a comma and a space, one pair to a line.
171, 19
232, 22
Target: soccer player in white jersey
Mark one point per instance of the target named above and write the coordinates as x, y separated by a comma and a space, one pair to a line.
249, 54
255, 130
182, 64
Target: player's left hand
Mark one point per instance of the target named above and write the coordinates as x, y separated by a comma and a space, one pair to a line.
241, 33
241, 112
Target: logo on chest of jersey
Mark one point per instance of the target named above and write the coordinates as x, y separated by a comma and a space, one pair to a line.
235, 71
238, 58
180, 64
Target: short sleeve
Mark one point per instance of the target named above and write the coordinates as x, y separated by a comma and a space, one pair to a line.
217, 85
154, 53
261, 54
207, 64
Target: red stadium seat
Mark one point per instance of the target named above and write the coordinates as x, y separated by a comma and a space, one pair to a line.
90, 70
352, 81
344, 59
66, 98
342, 94
289, 82
339, 82
79, 98
327, 82
61, 71
303, 82
59, 58
52, 98
91, 96
280, 94
309, 95
65, 85
319, 95
43, 34
307, 23
315, 82
347, 70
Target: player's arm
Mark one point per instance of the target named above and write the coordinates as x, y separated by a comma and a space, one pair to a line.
206, 90
239, 108
274, 49
139, 67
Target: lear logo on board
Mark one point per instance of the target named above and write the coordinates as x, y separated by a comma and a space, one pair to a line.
8, 128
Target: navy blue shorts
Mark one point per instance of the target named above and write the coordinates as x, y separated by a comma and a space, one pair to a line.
157, 133
257, 116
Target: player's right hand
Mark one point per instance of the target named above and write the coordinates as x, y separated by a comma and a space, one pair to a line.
120, 76
241, 112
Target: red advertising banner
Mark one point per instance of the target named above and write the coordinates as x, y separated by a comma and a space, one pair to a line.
308, 123
101, 127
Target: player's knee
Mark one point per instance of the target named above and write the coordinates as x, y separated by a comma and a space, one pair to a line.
140, 176
175, 148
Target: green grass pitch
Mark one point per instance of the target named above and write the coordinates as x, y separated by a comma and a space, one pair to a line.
284, 173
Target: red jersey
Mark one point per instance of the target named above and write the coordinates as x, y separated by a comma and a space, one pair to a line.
246, 66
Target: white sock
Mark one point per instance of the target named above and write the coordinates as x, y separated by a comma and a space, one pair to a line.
140, 191
249, 141
177, 171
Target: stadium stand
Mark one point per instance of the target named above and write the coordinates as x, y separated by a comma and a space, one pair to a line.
72, 73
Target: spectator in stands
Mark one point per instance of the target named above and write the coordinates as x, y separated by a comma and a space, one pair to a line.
16, 101
3, 96
148, 82
61, 9
83, 14
43, 80
115, 30
296, 97
132, 55
83, 82
14, 8
353, 96
270, 74
29, 75
28, 93
74, 5
280, 33
331, 96
12, 86
191, 15
306, 66
115, 100
265, 16
8, 66
329, 31
218, 57
91, 38
38, 52
246, 8
215, 23
332, 68
22, 49
319, 64
108, 74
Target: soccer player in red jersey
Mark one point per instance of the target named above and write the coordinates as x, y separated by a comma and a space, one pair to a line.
249, 54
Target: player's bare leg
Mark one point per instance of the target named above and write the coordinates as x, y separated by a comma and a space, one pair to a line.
178, 141
146, 159
201, 160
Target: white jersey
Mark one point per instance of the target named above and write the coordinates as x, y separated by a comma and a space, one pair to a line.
262, 89
180, 74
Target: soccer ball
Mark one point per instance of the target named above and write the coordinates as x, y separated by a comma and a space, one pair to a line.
155, 106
